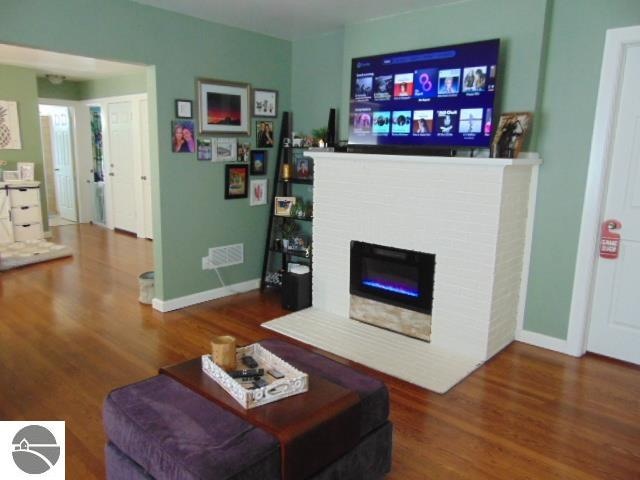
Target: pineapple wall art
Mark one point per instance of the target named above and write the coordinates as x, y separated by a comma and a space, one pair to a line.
9, 126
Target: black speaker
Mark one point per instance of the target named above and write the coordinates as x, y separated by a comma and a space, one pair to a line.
331, 129
296, 291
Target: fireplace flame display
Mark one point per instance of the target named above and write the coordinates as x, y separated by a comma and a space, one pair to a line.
390, 287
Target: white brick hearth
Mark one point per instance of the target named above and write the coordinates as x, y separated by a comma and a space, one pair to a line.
470, 212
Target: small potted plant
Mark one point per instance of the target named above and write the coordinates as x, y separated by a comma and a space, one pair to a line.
289, 229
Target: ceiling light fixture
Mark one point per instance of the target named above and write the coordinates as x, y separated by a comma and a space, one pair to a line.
56, 79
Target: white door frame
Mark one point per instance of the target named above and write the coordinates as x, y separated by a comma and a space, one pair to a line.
597, 180
82, 159
103, 103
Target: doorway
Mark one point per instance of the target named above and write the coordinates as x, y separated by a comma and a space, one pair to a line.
58, 160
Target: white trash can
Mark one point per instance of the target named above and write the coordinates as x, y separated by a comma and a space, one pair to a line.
147, 283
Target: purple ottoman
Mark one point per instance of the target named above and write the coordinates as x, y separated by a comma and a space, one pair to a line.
159, 429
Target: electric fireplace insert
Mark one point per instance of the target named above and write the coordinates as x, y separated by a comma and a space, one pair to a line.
403, 278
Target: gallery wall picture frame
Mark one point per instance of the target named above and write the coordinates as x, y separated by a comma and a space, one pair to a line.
258, 192
265, 103
264, 134
223, 107
225, 149
26, 171
183, 139
205, 149
184, 108
258, 162
236, 181
510, 134
9, 126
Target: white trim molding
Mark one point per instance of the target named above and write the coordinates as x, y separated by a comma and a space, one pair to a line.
604, 126
207, 295
543, 341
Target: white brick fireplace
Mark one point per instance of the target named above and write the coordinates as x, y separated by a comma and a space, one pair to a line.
472, 213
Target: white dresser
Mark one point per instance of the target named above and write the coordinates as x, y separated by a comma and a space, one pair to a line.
20, 211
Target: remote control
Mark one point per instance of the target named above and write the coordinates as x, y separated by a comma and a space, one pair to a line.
259, 383
249, 362
248, 372
277, 374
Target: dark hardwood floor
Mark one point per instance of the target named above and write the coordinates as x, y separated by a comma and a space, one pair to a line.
72, 329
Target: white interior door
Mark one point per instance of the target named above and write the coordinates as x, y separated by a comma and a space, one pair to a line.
62, 156
121, 164
615, 313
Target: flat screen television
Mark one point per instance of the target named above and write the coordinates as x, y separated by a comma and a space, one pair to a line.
423, 100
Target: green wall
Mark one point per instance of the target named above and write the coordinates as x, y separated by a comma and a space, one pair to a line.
565, 126
67, 90
190, 213
551, 57
316, 71
19, 84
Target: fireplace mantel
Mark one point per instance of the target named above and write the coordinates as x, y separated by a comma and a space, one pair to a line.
474, 214
530, 160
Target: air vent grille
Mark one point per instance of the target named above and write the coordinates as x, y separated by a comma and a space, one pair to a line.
226, 255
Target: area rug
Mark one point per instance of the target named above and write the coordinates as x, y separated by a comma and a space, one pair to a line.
19, 254
403, 357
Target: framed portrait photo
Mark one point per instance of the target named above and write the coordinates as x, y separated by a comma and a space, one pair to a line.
265, 103
264, 134
223, 107
258, 162
236, 181
303, 167
258, 192
184, 108
183, 138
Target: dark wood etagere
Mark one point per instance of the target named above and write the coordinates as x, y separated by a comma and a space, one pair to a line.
283, 188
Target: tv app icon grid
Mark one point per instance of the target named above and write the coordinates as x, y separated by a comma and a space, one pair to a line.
32, 450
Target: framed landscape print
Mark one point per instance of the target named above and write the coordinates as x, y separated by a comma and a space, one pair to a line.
236, 181
265, 103
223, 107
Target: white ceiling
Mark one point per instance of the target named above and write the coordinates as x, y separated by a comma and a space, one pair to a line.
73, 67
291, 19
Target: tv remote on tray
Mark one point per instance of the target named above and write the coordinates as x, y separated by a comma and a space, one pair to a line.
247, 372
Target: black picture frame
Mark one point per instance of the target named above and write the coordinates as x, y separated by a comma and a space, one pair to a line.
265, 135
258, 162
264, 103
181, 105
229, 183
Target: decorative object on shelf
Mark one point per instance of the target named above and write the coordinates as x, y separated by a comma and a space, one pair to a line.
265, 103
303, 167
9, 126
319, 134
184, 108
183, 140
288, 229
226, 150
283, 205
26, 170
10, 175
510, 134
236, 184
264, 134
285, 171
223, 107
223, 351
299, 242
273, 278
244, 150
258, 163
205, 149
258, 190
298, 209
297, 139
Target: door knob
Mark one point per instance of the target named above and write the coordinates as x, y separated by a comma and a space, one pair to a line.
57, 169
111, 174
143, 178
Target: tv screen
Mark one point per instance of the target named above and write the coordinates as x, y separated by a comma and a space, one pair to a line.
435, 97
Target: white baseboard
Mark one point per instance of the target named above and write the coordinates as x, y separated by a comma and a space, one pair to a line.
545, 341
195, 298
